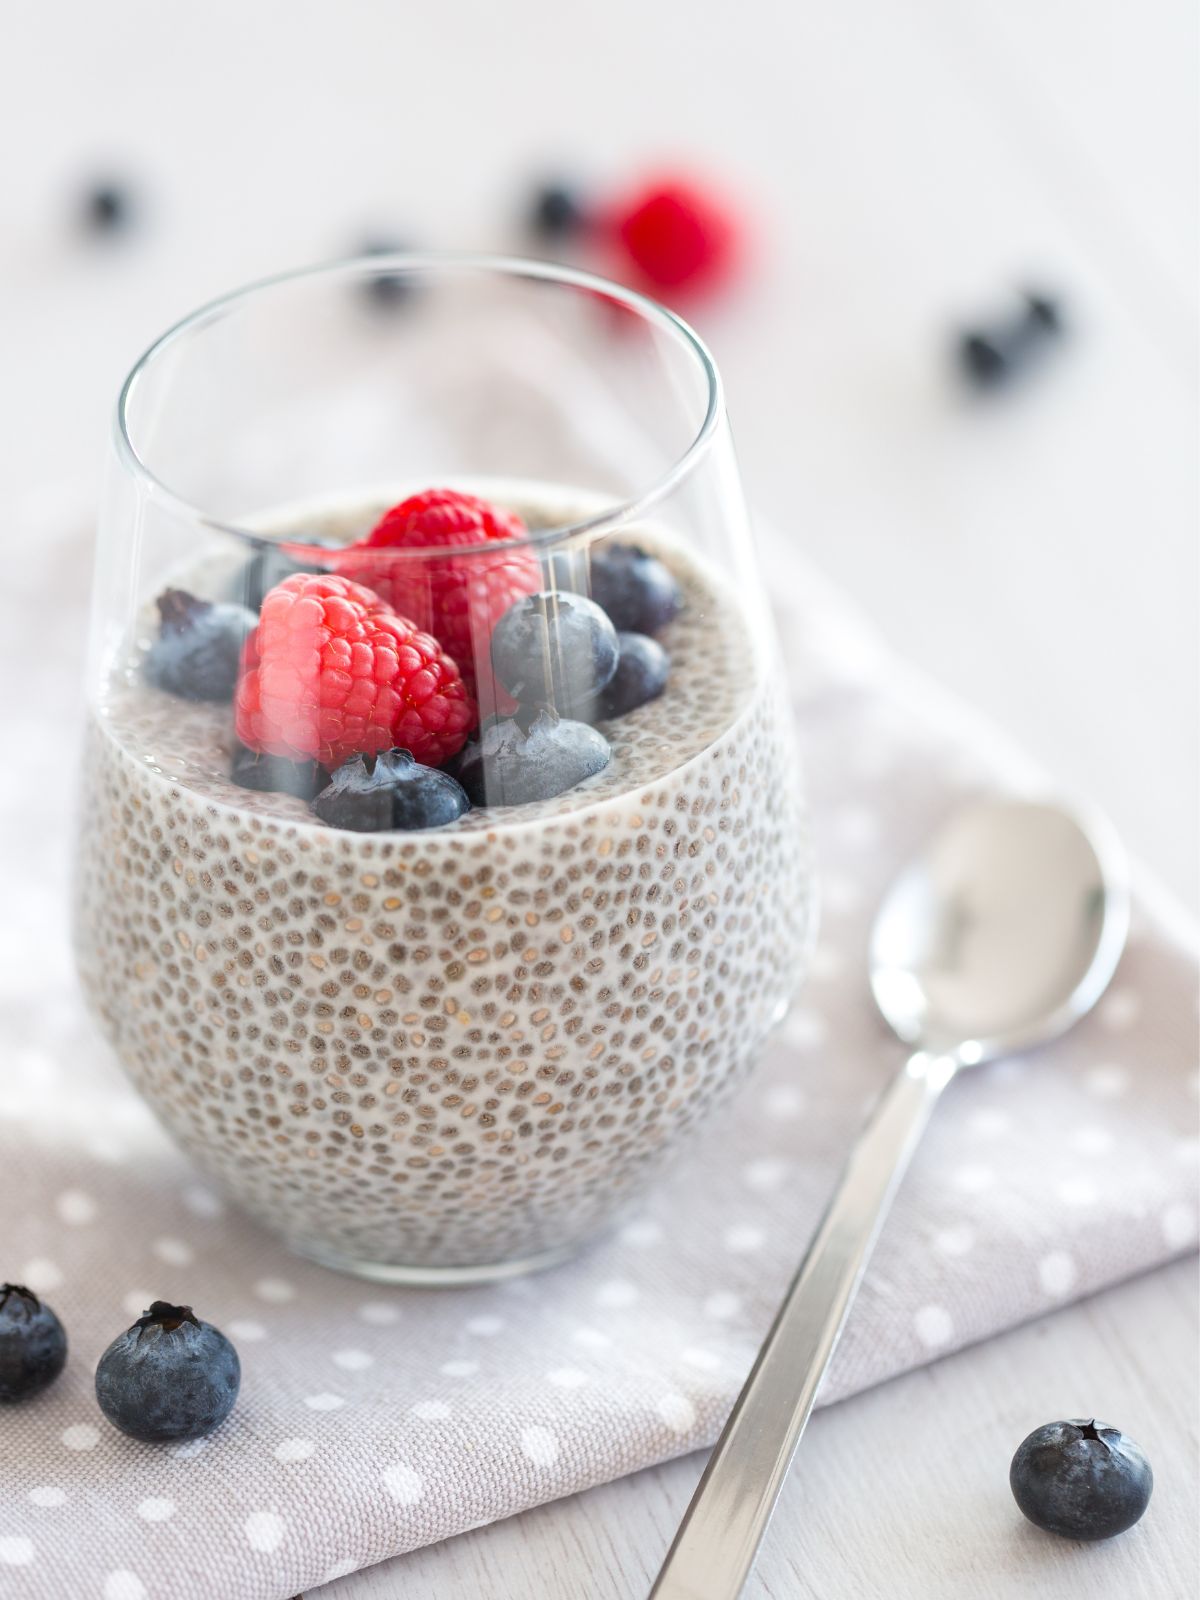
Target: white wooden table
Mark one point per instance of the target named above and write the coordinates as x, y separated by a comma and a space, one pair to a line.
909, 163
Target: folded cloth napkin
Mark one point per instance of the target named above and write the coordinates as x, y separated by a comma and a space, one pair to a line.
372, 1421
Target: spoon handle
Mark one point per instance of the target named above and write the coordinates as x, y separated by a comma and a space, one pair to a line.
723, 1526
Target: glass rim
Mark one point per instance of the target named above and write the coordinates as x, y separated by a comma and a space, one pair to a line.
416, 262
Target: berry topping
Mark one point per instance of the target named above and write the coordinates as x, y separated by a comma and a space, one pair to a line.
276, 774
637, 590
330, 672
457, 598
169, 1376
641, 675
196, 653
33, 1346
555, 649
272, 563
677, 235
516, 760
1081, 1479
374, 794
557, 212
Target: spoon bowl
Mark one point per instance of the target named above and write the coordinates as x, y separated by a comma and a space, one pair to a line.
1003, 932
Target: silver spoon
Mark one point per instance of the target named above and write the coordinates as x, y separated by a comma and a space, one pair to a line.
1004, 932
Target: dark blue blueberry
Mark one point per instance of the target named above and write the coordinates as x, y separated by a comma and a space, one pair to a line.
198, 647
271, 564
33, 1346
170, 1376
107, 207
276, 774
643, 668
555, 649
387, 290
637, 590
532, 756
557, 211
991, 356
1081, 1479
389, 791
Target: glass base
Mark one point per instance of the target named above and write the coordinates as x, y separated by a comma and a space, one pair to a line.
435, 1277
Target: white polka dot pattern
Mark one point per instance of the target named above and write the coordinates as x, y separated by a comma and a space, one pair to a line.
540, 1445
123, 1585
677, 1411
264, 1531
81, 1436
48, 1495
404, 1485
379, 1313
431, 1410
1057, 1274
40, 1275
567, 1378
324, 1401
174, 1252
156, 1509
934, 1326
294, 1449
76, 1208
246, 1330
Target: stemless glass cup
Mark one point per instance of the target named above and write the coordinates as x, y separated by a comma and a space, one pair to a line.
452, 1053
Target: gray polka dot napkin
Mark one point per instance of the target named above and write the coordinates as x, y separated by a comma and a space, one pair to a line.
372, 1421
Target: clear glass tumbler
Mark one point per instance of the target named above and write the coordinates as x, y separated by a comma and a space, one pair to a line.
442, 861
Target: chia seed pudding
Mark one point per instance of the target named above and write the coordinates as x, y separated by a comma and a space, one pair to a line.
459, 1052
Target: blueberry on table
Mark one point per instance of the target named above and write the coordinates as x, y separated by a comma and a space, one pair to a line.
555, 649
272, 563
638, 591
557, 211
530, 757
198, 647
1081, 1479
389, 791
107, 207
276, 774
387, 290
991, 355
169, 1376
643, 668
33, 1345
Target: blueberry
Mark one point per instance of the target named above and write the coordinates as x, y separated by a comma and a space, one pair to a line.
992, 355
33, 1346
387, 289
557, 211
530, 757
276, 774
107, 207
642, 671
198, 647
556, 649
637, 590
1083, 1480
372, 795
271, 564
170, 1376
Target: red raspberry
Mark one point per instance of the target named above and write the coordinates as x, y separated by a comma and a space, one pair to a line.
330, 673
459, 599
677, 235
